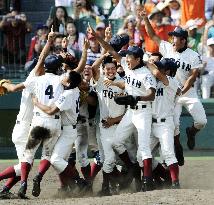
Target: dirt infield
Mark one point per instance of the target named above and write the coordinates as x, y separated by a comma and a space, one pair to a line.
196, 179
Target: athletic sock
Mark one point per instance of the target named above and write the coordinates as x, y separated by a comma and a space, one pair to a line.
7, 173
25, 169
11, 182
95, 168
43, 167
147, 168
174, 171
86, 172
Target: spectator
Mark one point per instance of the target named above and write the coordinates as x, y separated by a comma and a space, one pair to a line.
59, 20
160, 29
38, 41
119, 11
208, 77
194, 37
100, 29
114, 3
57, 44
85, 8
192, 9
209, 7
95, 51
129, 28
175, 10
15, 27
75, 38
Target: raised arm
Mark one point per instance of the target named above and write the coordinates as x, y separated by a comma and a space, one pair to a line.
105, 44
154, 70
83, 59
150, 31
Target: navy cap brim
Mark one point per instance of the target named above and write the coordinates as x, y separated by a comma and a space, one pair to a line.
173, 33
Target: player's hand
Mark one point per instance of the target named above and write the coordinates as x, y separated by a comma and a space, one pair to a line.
108, 82
51, 35
108, 122
65, 42
108, 32
143, 14
91, 31
34, 99
86, 44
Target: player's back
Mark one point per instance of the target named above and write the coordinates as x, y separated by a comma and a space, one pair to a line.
48, 89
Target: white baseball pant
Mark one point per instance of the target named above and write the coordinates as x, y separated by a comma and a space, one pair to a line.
164, 131
142, 120
194, 106
54, 126
63, 148
207, 83
19, 138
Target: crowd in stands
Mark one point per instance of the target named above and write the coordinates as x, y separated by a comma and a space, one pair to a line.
70, 18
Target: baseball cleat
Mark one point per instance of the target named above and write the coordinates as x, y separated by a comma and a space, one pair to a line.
179, 154
5, 194
105, 191
175, 185
22, 191
190, 138
36, 186
148, 185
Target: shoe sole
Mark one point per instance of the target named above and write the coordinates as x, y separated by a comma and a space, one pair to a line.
36, 189
190, 140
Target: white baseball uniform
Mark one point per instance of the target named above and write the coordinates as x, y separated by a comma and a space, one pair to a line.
208, 79
186, 60
47, 89
108, 108
68, 103
162, 113
138, 82
22, 126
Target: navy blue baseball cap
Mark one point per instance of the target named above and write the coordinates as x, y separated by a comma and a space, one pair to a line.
118, 41
179, 32
134, 50
53, 63
167, 64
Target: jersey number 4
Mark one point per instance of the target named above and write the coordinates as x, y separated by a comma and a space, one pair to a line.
49, 91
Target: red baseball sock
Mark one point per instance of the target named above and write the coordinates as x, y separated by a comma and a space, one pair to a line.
7, 173
147, 167
43, 166
86, 172
174, 171
11, 182
95, 168
25, 169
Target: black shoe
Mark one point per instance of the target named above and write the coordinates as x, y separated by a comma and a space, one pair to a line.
126, 178
176, 185
5, 194
22, 191
148, 185
190, 139
36, 186
179, 154
114, 186
105, 191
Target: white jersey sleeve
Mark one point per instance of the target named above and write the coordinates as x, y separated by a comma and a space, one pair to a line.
149, 81
173, 83
30, 83
197, 62
64, 102
165, 48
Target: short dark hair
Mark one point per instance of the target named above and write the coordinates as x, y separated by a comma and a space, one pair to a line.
157, 54
109, 59
75, 79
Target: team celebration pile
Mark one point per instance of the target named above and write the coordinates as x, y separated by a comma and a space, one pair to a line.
117, 96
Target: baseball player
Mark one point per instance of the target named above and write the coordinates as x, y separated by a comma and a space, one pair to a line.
108, 86
23, 121
141, 85
162, 113
68, 105
44, 128
189, 63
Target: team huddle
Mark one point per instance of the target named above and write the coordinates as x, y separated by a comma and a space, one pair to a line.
124, 118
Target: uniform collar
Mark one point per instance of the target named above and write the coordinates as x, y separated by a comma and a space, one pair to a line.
182, 49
